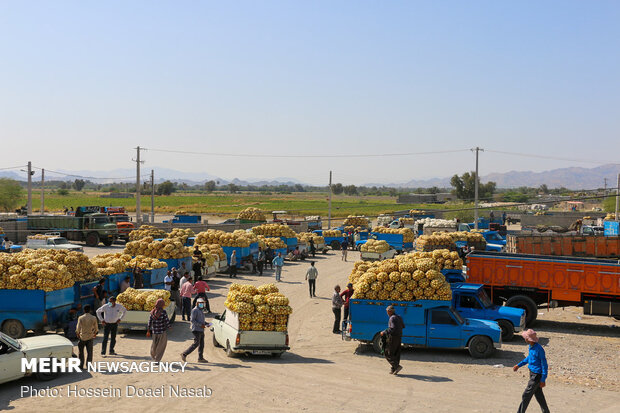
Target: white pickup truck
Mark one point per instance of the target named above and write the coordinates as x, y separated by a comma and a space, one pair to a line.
139, 320
226, 334
53, 243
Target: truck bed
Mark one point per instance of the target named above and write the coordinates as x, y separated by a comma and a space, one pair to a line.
139, 320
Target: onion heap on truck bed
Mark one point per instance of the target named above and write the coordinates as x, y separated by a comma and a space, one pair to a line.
252, 214
405, 278
47, 270
373, 245
146, 231
261, 308
166, 249
407, 233
181, 234
358, 222
142, 300
447, 240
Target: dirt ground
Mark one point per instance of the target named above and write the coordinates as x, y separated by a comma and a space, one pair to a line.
322, 373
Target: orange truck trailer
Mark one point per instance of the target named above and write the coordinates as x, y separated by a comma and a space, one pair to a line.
598, 246
532, 281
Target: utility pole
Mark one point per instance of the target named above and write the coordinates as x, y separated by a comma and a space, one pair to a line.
42, 191
605, 191
152, 196
329, 214
616, 217
138, 189
477, 149
29, 204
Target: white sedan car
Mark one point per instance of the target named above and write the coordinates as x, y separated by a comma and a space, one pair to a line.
13, 350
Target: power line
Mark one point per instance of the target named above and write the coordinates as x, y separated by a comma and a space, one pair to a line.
85, 177
249, 155
13, 167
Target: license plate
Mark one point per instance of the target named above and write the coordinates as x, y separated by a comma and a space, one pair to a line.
261, 352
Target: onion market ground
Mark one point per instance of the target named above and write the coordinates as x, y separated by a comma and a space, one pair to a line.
322, 373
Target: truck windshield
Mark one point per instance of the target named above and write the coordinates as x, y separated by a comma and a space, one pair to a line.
484, 299
102, 220
60, 241
121, 218
494, 237
10, 341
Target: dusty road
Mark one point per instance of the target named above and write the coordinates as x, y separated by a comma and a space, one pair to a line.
322, 373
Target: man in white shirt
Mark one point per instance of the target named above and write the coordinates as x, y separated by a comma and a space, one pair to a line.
168, 281
185, 278
110, 316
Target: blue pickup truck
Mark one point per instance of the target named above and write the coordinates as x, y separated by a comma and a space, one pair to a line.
394, 240
428, 323
472, 301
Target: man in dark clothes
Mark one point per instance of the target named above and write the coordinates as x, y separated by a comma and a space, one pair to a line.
394, 335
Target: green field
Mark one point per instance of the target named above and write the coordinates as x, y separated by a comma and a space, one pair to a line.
226, 204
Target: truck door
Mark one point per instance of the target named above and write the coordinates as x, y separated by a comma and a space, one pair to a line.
469, 306
443, 330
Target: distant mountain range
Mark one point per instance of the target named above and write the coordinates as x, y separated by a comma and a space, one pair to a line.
572, 178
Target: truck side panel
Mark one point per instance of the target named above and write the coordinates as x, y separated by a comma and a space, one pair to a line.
566, 278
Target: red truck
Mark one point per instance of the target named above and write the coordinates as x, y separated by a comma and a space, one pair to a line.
119, 216
530, 281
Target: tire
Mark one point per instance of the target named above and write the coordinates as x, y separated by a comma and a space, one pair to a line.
376, 343
526, 303
13, 328
480, 347
107, 242
508, 330
276, 355
335, 245
46, 376
229, 352
92, 239
215, 343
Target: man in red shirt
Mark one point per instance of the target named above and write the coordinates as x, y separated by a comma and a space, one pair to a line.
346, 296
186, 296
201, 288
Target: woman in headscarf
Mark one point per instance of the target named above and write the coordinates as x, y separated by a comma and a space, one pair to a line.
158, 326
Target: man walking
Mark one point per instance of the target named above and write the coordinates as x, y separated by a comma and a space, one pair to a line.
261, 260
278, 262
233, 264
345, 246
393, 335
537, 363
159, 323
110, 315
186, 295
201, 288
86, 331
311, 276
346, 296
336, 306
198, 326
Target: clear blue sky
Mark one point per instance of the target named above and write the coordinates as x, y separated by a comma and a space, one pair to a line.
84, 82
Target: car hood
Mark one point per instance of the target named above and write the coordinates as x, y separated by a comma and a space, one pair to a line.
46, 341
483, 324
510, 312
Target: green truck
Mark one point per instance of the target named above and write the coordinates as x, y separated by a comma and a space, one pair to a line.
87, 224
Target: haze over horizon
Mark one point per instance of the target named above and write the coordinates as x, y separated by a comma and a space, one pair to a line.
84, 83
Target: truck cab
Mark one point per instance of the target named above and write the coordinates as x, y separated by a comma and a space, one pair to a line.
495, 242
226, 334
119, 216
472, 301
428, 323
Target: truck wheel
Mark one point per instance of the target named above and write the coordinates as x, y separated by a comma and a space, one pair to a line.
229, 352
13, 328
92, 239
215, 343
480, 347
526, 303
276, 355
335, 245
508, 330
376, 343
107, 242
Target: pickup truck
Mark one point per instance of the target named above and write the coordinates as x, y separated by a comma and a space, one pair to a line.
472, 301
428, 323
226, 334
139, 320
53, 243
12, 351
